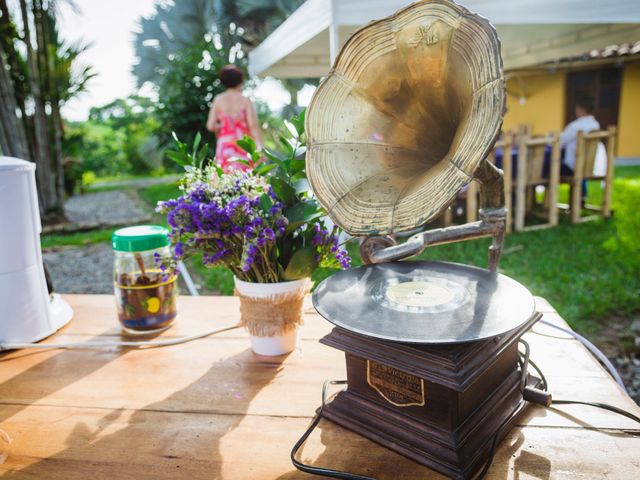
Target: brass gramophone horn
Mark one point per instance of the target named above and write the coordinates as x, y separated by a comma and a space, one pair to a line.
406, 118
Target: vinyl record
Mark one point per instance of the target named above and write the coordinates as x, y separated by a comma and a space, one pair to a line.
424, 302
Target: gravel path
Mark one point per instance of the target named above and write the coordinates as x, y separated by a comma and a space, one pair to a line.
110, 207
629, 369
81, 269
88, 269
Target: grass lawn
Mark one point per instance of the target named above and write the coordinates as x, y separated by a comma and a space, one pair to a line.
587, 271
76, 239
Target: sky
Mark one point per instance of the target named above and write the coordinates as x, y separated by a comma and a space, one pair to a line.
109, 26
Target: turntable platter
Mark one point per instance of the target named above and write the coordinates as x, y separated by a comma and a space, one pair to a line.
424, 302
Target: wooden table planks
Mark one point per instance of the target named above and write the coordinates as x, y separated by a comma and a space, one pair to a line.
212, 409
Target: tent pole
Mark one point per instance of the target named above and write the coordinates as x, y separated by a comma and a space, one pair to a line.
334, 34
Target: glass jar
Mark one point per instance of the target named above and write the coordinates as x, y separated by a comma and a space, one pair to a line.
145, 295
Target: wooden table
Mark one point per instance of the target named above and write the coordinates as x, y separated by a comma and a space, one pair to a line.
212, 409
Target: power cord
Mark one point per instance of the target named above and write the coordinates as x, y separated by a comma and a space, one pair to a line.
591, 347
129, 344
533, 395
327, 472
540, 396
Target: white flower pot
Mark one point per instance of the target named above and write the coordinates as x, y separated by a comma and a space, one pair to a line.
281, 305
275, 345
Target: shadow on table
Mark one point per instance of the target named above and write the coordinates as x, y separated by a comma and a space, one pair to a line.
36, 382
185, 444
364, 457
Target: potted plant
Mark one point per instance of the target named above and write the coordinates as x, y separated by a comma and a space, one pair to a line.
264, 225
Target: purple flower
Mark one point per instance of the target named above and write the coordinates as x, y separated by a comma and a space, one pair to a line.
249, 257
269, 234
225, 223
343, 258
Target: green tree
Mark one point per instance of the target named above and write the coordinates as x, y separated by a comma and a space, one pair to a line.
233, 24
135, 119
179, 32
187, 88
36, 78
118, 138
169, 31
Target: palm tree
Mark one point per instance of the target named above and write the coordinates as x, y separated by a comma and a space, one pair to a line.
234, 24
49, 200
65, 78
44, 81
171, 29
176, 26
13, 136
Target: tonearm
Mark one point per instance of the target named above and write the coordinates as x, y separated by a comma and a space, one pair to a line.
492, 223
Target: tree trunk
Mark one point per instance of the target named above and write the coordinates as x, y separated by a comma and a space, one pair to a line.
44, 40
13, 139
293, 92
46, 190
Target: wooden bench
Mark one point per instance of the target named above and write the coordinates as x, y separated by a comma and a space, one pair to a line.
211, 409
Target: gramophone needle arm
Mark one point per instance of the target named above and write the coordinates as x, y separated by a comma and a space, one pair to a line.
420, 241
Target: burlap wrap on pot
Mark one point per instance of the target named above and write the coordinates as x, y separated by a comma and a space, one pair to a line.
272, 315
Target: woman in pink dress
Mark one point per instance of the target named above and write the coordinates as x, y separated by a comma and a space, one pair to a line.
232, 116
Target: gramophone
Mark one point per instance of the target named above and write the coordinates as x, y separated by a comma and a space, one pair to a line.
404, 120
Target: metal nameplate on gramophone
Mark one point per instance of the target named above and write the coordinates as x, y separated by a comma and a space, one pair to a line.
405, 119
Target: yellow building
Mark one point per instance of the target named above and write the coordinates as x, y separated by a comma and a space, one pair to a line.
544, 96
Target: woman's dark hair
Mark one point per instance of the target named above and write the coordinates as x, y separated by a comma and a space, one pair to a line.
231, 76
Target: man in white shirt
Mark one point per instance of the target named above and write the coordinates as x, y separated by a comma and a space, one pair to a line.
584, 122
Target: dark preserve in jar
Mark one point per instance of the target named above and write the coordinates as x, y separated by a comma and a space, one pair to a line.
145, 295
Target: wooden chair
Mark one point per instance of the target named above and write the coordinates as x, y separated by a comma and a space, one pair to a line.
472, 194
530, 174
586, 148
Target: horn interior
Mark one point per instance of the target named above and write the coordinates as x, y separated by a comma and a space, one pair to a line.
412, 106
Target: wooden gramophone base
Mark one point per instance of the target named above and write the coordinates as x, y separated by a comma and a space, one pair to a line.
439, 405
440, 450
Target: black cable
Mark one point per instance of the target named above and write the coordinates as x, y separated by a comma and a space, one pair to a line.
327, 472
524, 362
604, 406
494, 444
543, 379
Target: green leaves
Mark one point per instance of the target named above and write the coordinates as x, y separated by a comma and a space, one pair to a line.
275, 158
301, 265
298, 122
248, 144
285, 192
302, 213
265, 203
185, 158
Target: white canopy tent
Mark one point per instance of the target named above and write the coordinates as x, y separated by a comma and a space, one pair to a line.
531, 31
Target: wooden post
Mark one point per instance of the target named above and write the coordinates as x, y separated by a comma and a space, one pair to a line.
576, 185
507, 168
608, 179
447, 217
554, 180
521, 183
471, 205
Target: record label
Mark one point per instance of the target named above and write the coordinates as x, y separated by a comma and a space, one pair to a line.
420, 294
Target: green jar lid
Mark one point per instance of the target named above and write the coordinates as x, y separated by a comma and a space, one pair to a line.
140, 238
